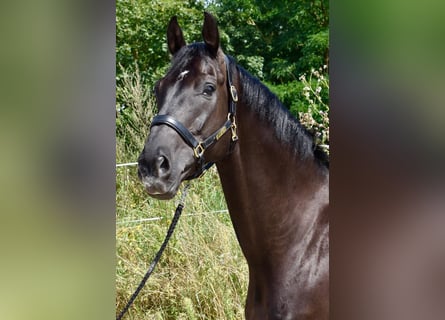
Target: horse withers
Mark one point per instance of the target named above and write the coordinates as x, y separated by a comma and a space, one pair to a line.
274, 177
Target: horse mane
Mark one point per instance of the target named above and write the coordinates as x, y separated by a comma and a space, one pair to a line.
287, 129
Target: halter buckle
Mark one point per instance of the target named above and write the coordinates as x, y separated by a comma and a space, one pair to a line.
198, 151
234, 93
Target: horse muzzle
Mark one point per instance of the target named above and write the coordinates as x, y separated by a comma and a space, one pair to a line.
155, 172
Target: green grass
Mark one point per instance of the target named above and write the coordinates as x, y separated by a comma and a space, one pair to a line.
202, 274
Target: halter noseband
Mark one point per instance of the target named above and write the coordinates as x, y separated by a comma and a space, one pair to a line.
199, 147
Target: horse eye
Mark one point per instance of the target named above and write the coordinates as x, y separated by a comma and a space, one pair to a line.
209, 89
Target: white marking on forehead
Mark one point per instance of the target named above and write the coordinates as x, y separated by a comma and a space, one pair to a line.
182, 75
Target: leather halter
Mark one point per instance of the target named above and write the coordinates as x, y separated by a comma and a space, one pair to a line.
199, 147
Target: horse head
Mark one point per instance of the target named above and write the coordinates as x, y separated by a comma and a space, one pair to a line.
195, 110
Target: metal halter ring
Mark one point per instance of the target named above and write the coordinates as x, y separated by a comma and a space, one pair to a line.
198, 150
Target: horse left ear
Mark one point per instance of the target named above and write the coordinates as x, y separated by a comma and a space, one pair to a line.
175, 39
210, 33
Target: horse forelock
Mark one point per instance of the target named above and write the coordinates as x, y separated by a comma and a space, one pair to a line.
186, 59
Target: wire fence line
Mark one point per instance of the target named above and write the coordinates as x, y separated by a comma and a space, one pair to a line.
137, 221
128, 164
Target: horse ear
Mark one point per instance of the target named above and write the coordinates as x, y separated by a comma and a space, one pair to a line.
175, 38
210, 33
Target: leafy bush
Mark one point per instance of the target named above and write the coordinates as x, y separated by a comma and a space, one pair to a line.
291, 95
254, 64
315, 52
308, 100
141, 28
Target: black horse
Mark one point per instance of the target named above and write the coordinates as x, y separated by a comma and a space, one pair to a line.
275, 179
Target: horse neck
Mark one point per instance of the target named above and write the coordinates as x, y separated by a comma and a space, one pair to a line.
265, 184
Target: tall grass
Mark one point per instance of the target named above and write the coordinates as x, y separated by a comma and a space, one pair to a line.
133, 115
202, 274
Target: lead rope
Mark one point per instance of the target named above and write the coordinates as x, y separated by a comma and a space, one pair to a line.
155, 261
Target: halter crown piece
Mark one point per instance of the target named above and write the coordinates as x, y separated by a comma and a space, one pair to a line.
199, 147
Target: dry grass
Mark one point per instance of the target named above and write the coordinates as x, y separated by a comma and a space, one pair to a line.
202, 274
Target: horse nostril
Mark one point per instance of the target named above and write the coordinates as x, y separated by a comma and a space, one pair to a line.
163, 165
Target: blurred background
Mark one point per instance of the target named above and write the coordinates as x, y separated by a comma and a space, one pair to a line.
57, 159
61, 122
387, 154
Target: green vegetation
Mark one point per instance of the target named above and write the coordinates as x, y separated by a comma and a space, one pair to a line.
203, 274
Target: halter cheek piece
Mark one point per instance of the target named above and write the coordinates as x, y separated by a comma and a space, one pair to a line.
199, 147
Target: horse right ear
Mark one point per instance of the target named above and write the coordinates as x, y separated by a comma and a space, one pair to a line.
210, 33
175, 38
